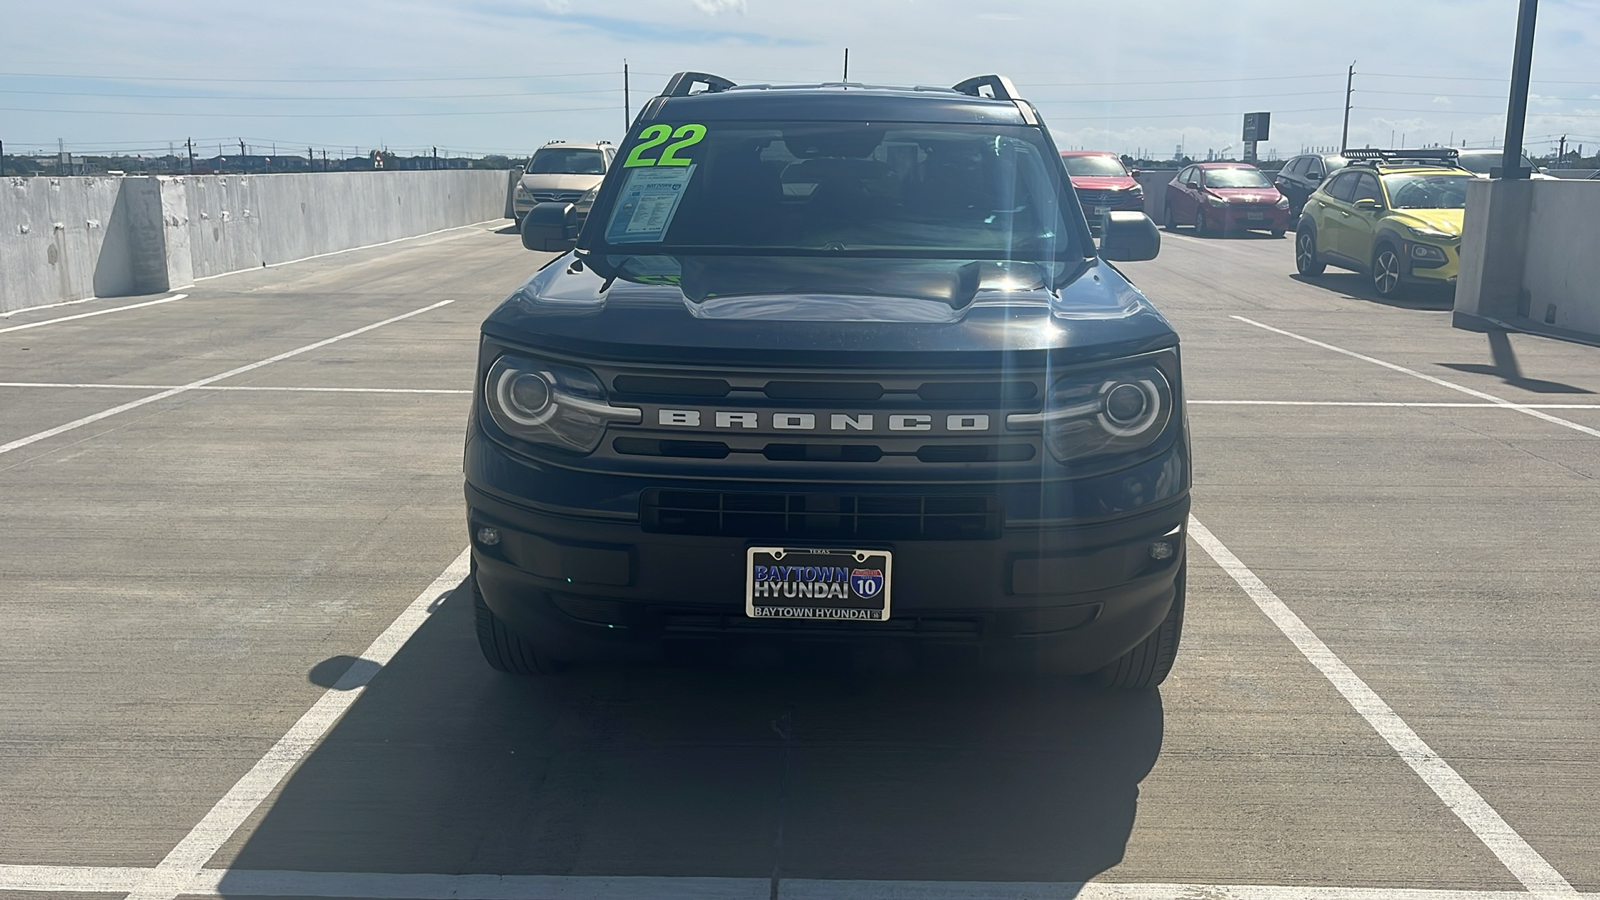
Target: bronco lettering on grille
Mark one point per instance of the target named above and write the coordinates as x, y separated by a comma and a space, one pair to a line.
750, 420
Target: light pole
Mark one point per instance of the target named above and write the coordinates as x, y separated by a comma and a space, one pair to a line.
1517, 112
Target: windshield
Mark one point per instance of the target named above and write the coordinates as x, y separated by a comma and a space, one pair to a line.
1095, 166
1481, 161
566, 161
937, 191
1427, 191
1235, 178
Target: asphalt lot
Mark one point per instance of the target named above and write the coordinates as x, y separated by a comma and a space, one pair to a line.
239, 578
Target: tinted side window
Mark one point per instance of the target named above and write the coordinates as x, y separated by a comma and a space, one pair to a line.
1343, 187
1314, 166
1297, 166
1367, 188
1185, 175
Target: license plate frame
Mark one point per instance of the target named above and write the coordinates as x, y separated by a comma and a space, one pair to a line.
1256, 216
828, 584
1102, 210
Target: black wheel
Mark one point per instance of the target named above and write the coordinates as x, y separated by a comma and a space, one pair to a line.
1305, 252
503, 648
1200, 221
1147, 665
1386, 270
1169, 220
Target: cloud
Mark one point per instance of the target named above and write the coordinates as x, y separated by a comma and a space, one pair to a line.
718, 7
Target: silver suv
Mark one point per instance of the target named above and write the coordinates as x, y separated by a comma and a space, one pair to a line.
561, 172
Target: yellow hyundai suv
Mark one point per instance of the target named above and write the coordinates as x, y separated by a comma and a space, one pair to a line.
1392, 214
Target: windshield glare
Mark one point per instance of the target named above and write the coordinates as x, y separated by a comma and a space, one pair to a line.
1095, 166
1235, 178
938, 191
566, 161
1427, 191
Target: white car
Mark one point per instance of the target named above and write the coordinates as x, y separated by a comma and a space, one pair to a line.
561, 172
1479, 162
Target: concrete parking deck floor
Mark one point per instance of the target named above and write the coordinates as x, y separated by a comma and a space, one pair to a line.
191, 585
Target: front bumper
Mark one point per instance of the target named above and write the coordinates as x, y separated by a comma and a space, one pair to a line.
1240, 219
1067, 598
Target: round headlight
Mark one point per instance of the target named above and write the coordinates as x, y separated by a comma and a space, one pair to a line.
529, 394
1129, 408
1125, 404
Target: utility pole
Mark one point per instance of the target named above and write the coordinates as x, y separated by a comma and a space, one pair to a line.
847, 64
1349, 83
436, 157
1517, 112
1560, 154
311, 160
627, 112
190, 144
2, 159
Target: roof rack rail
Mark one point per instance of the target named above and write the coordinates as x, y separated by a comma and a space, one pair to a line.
1358, 154
1000, 87
682, 84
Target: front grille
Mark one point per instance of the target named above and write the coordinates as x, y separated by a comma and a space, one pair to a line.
555, 196
1089, 199
886, 517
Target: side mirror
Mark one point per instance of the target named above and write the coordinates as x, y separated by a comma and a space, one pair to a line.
1134, 172
550, 227
1193, 184
1367, 204
1314, 177
1129, 237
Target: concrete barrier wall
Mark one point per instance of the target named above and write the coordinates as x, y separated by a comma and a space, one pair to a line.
70, 238
1530, 258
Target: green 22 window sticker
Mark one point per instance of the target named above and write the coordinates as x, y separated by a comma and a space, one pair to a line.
655, 136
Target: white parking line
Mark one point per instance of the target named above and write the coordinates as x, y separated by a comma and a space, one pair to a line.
133, 404
360, 390
177, 872
98, 312
1524, 408
415, 886
240, 387
1524, 862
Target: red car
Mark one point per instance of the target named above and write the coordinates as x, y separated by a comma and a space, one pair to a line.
1225, 197
1102, 183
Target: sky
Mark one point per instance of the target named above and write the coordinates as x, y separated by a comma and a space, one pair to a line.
480, 77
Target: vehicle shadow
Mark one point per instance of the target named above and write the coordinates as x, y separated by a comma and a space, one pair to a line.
444, 766
509, 229
1355, 286
1188, 231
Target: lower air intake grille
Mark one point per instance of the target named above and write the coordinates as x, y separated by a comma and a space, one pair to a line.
937, 517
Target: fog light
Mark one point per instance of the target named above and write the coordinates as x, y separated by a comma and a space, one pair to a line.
491, 536
1161, 550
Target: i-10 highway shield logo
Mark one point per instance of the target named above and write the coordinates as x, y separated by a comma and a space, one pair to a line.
867, 583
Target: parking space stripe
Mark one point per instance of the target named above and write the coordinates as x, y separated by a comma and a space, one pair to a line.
422, 886
240, 387
1523, 408
180, 867
1524, 862
1397, 404
87, 315
142, 401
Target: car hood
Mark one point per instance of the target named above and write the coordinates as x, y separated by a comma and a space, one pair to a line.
828, 311
1103, 182
560, 182
1247, 195
1445, 220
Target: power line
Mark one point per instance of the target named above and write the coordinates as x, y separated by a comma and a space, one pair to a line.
104, 96
485, 112
209, 80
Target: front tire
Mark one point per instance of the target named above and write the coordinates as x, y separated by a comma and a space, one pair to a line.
503, 649
1168, 220
1306, 261
1386, 271
1200, 226
1148, 664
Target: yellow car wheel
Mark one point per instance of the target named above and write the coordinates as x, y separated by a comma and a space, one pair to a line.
1386, 270
1305, 251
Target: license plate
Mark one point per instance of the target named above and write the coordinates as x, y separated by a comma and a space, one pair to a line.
1255, 217
1102, 210
846, 585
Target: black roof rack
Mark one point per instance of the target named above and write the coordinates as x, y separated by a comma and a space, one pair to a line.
1000, 87
682, 84
1378, 157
